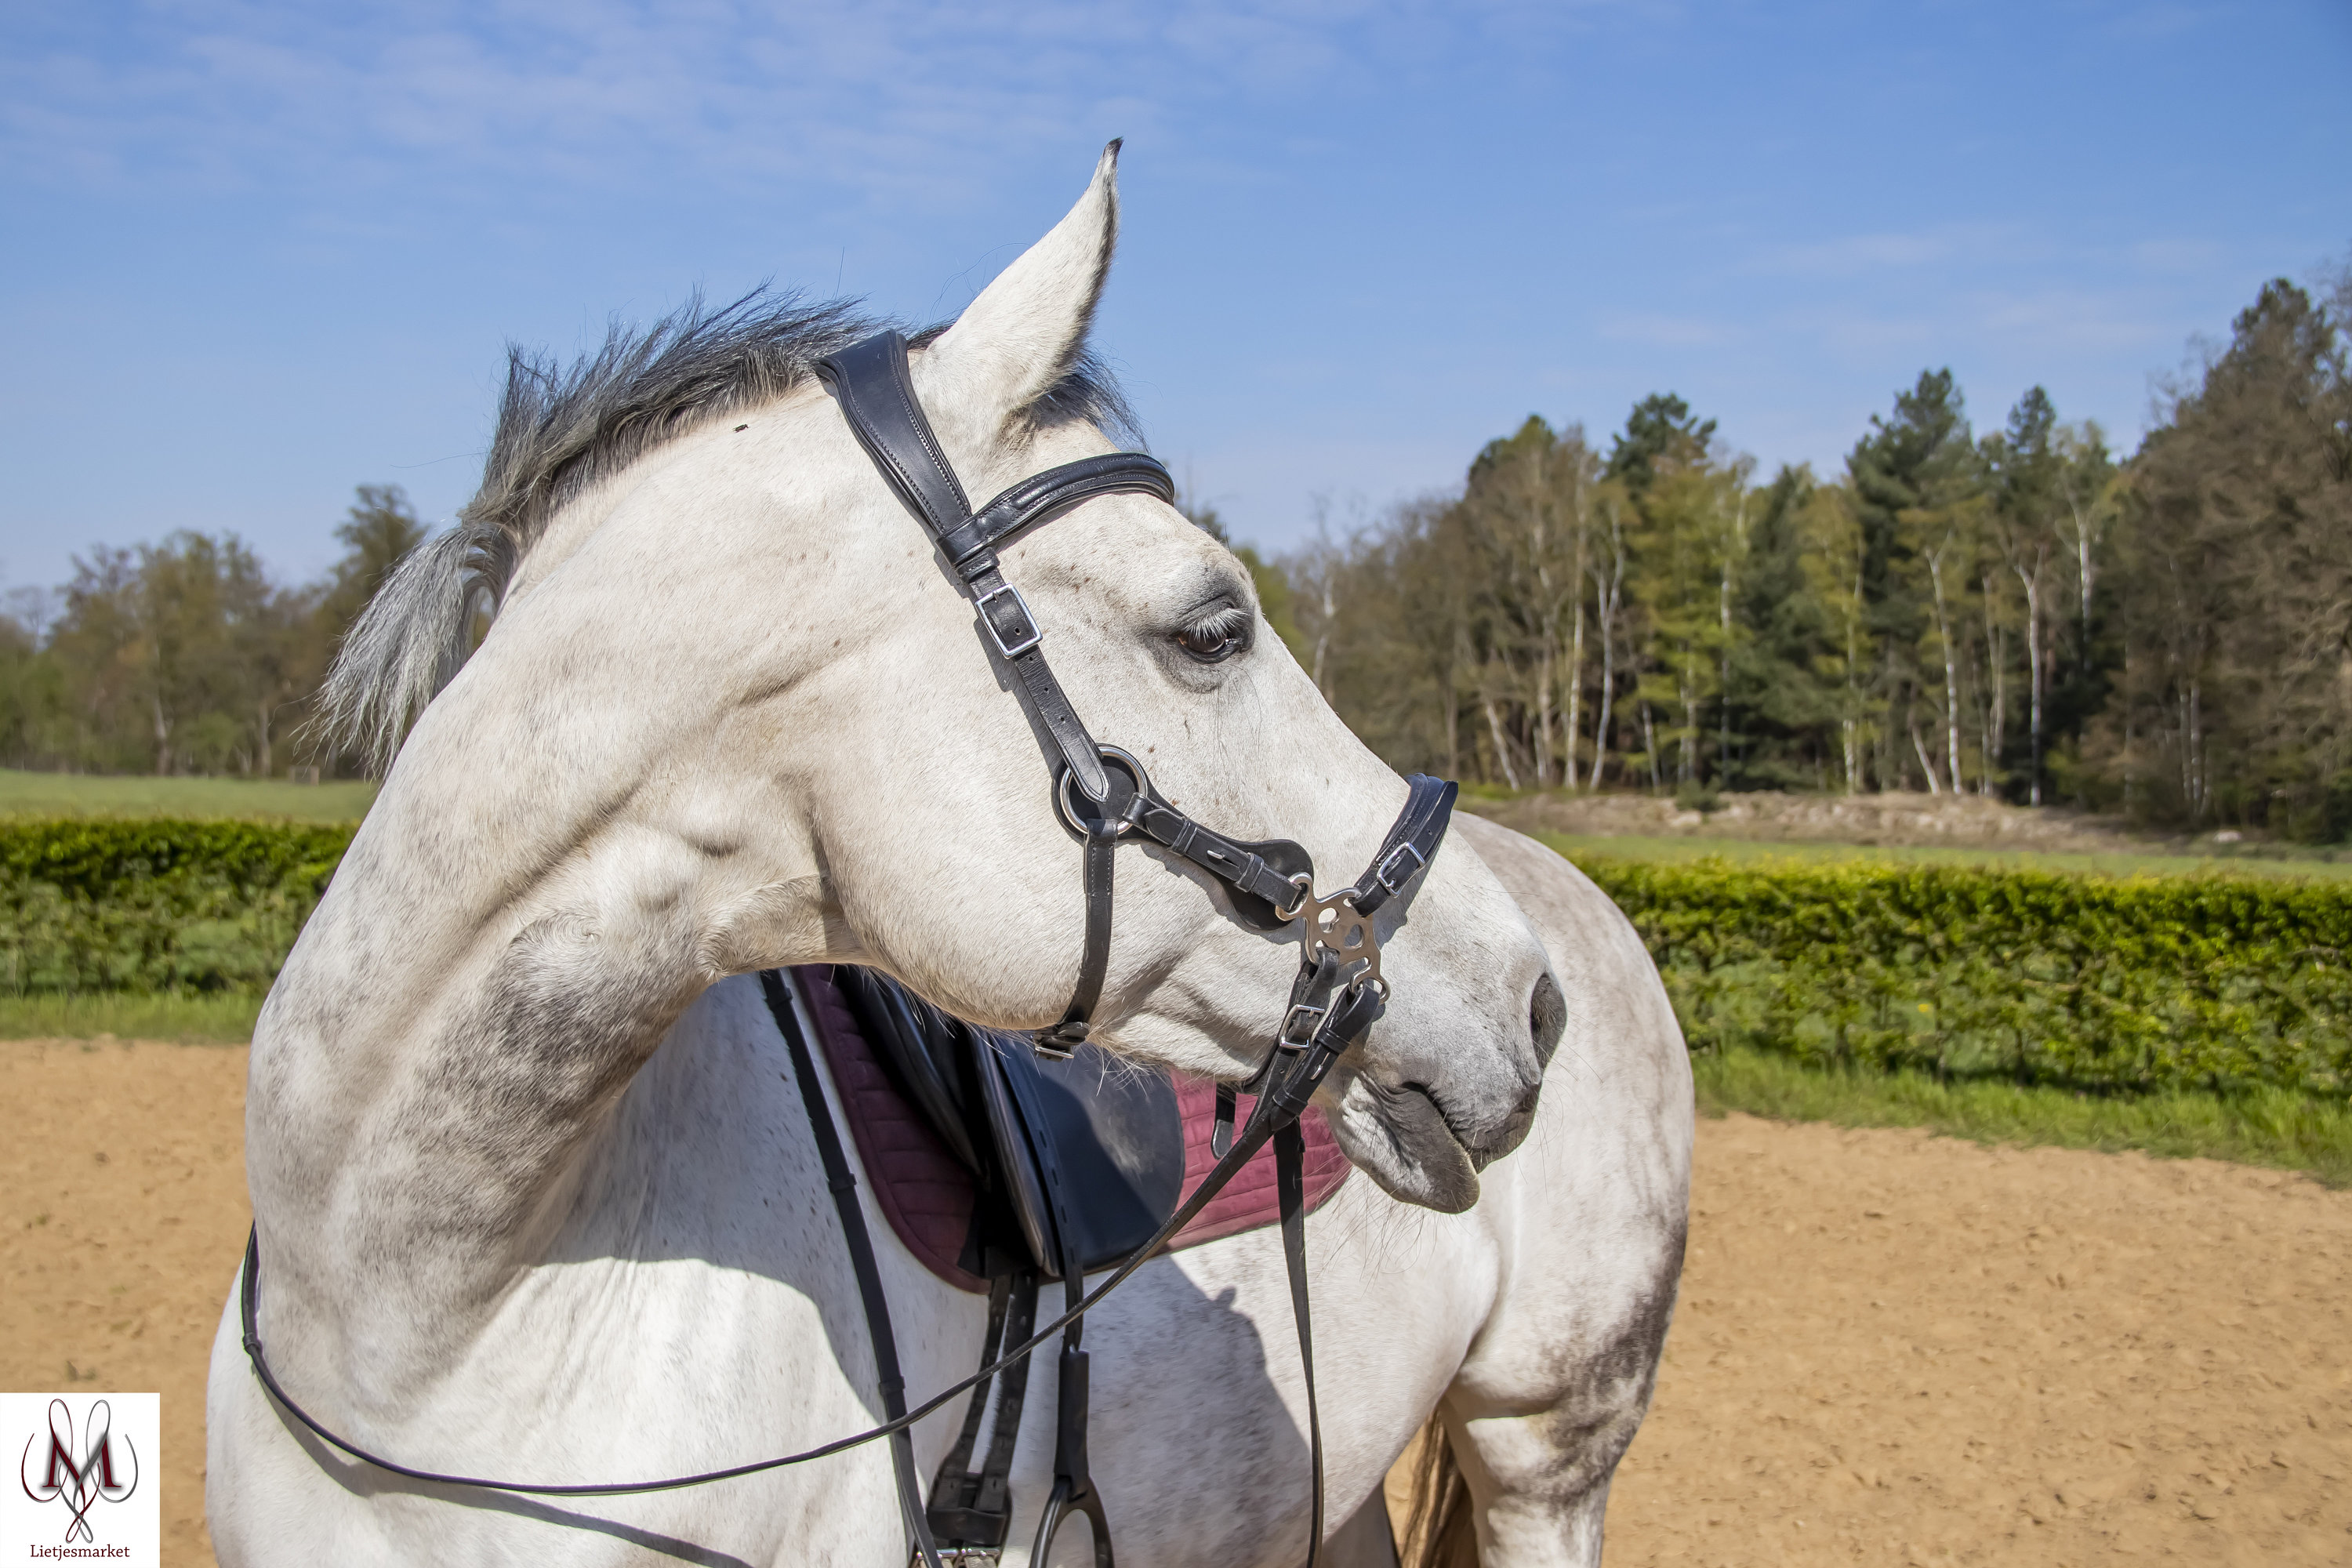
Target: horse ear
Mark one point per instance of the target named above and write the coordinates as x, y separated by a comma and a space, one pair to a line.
1021, 336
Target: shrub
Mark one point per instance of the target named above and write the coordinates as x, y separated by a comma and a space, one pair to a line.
94, 905
2115, 985
2085, 981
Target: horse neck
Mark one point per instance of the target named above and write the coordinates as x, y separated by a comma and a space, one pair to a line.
512, 932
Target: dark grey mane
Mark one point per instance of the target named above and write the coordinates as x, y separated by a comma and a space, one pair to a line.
563, 430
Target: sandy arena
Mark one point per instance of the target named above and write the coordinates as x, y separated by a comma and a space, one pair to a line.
1891, 1348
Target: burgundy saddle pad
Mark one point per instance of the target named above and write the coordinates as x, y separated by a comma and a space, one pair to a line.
929, 1196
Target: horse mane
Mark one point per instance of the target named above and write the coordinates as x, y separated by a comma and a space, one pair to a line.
562, 430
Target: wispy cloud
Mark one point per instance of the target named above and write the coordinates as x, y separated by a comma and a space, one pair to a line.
1668, 331
902, 97
2072, 320
2046, 322
1855, 255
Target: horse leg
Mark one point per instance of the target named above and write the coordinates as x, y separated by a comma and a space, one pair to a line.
1537, 1482
1590, 1213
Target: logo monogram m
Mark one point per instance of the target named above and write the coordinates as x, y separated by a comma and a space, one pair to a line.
80, 1484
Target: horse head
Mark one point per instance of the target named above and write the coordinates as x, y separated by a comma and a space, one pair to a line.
734, 712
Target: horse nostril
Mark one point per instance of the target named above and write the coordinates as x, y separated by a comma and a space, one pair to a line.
1547, 1017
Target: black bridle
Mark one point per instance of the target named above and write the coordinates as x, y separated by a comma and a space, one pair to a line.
1103, 797
1101, 792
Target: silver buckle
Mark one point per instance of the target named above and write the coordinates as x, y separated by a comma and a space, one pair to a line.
1299, 1026
1381, 873
1059, 1043
1013, 650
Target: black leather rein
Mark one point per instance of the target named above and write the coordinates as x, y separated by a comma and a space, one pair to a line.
1103, 797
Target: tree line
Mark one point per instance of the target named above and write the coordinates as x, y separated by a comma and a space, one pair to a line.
2018, 615
186, 656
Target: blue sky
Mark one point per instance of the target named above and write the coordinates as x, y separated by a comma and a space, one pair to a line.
252, 255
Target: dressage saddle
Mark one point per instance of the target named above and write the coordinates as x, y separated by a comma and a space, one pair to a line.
1079, 1157
1076, 1161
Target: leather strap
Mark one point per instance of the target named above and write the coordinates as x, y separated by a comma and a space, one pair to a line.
1045, 496
1412, 842
955, 1518
1019, 642
1102, 870
1262, 874
974, 1509
995, 1475
1302, 1022
843, 1185
877, 396
1290, 1191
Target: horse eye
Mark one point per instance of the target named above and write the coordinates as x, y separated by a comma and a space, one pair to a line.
1215, 637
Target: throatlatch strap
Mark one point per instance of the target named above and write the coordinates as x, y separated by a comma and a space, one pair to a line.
843, 1185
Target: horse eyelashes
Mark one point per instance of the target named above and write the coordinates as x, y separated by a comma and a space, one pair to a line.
1217, 636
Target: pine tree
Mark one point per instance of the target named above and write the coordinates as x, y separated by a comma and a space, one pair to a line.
1907, 474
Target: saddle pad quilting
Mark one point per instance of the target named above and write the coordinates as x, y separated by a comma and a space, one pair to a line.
1249, 1200
927, 1196
920, 1188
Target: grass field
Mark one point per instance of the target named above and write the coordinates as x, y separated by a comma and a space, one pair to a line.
2265, 1127
85, 794
209, 1019
1750, 852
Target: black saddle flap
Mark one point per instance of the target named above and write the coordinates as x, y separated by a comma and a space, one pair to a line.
926, 1053
1084, 1156
1093, 1149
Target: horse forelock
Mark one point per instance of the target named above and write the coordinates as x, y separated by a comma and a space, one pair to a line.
561, 431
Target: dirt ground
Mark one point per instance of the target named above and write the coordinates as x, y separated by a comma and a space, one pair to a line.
124, 1171
1891, 1348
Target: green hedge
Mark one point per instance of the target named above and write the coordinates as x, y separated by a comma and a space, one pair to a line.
2082, 981
93, 906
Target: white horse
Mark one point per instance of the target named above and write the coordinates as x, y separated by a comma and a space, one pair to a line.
534, 1188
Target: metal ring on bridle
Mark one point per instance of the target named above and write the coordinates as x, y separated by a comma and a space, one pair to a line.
1065, 791
1304, 882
